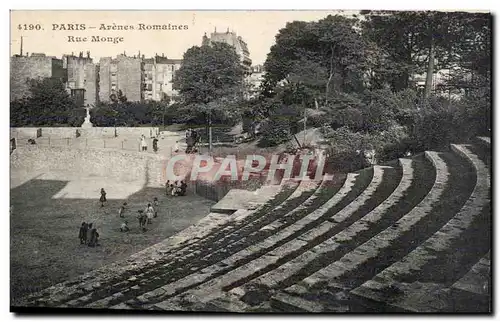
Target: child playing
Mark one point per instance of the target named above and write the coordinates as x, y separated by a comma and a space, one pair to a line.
150, 213
121, 212
124, 227
156, 203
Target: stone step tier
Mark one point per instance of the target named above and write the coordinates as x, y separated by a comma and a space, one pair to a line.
412, 236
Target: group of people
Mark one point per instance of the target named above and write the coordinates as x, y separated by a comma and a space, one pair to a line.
88, 235
175, 189
145, 217
144, 144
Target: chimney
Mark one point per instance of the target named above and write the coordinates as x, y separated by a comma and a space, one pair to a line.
21, 50
162, 55
227, 30
88, 53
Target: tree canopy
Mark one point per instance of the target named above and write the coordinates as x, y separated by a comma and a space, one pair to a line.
47, 103
210, 77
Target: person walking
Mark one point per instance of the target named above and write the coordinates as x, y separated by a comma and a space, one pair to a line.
103, 199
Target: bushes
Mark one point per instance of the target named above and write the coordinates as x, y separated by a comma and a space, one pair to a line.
128, 113
345, 153
48, 104
77, 117
275, 132
437, 123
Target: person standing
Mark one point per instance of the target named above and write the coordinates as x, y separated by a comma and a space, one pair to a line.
156, 204
167, 188
176, 147
155, 145
121, 212
140, 218
183, 188
150, 213
103, 199
144, 145
94, 237
144, 219
89, 233
82, 235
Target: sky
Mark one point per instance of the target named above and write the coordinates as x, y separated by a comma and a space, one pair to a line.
257, 28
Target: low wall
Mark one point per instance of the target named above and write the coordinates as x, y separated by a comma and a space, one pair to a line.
120, 131
123, 165
70, 132
59, 132
24, 132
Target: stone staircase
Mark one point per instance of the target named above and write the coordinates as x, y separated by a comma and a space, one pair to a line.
410, 236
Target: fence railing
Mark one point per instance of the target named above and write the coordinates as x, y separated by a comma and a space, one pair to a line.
111, 143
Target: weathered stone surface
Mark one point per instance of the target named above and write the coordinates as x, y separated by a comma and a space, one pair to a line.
478, 279
289, 303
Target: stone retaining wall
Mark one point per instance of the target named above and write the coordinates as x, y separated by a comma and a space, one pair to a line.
123, 165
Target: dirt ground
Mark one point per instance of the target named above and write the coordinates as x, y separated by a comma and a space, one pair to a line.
45, 248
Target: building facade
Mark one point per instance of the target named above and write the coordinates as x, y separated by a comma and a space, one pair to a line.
138, 78
159, 73
36, 66
81, 77
124, 74
232, 39
254, 80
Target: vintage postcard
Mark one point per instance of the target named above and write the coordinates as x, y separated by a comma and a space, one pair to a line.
250, 161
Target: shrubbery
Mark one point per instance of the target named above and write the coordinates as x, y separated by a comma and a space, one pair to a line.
48, 104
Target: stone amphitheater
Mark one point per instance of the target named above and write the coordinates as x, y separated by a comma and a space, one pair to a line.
413, 235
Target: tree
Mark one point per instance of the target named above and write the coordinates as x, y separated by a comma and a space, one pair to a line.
210, 80
326, 57
48, 103
421, 42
